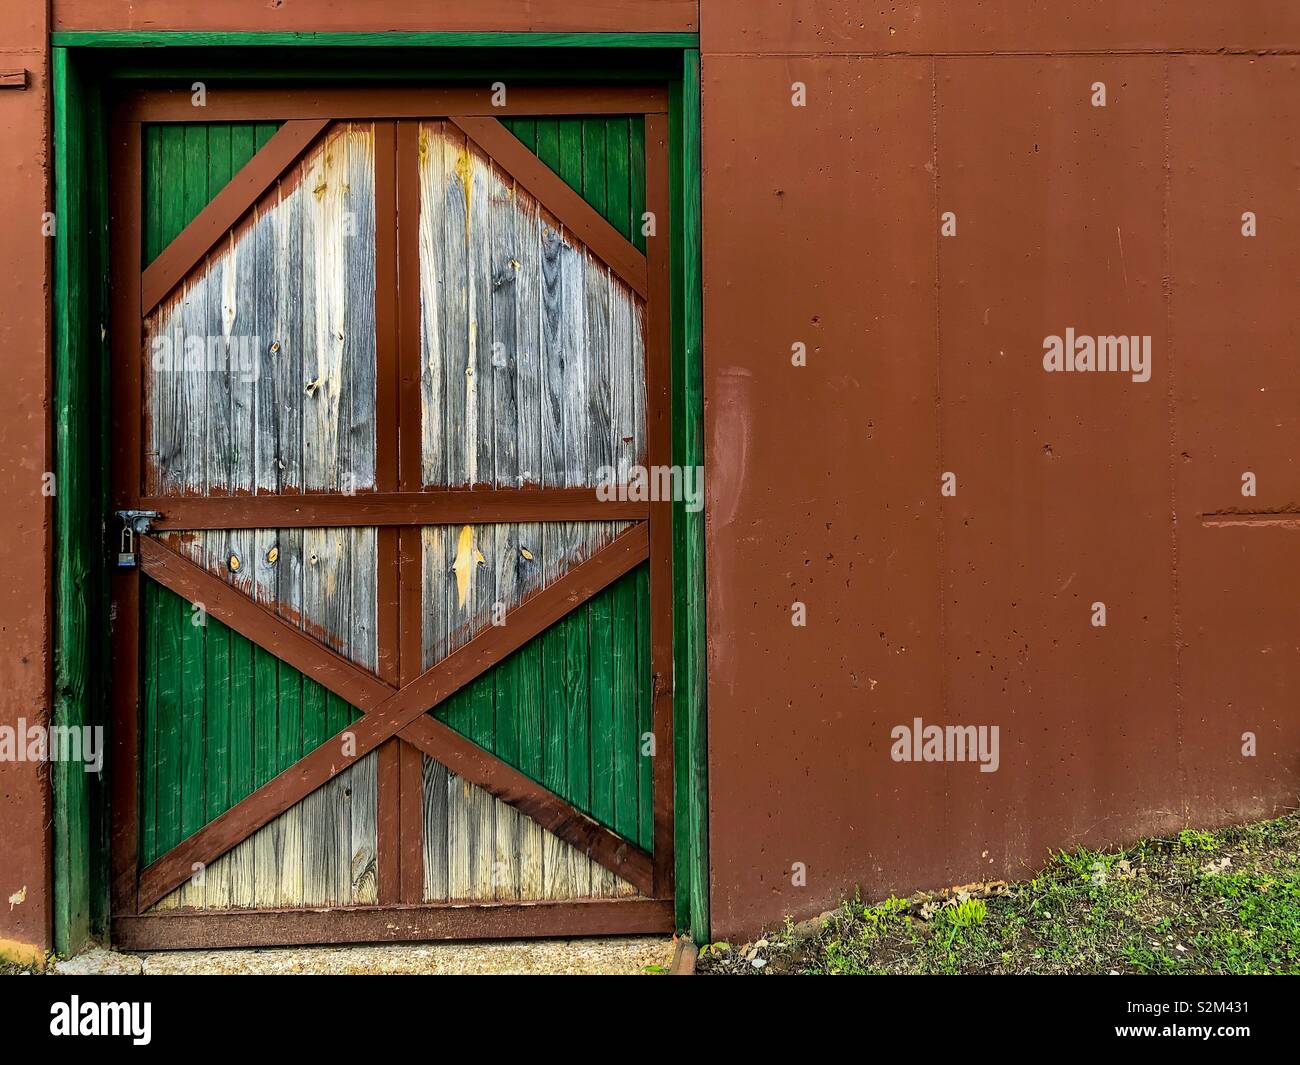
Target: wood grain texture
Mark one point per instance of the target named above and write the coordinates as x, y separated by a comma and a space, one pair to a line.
509, 366
267, 346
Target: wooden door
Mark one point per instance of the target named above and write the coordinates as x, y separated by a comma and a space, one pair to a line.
393, 662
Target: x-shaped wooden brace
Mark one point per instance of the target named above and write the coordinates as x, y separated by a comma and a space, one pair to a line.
389, 711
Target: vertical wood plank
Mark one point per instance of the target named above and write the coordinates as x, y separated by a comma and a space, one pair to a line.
460, 414
645, 722
435, 831
480, 405
557, 871
434, 292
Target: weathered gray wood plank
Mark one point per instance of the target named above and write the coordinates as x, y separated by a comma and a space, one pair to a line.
461, 402
434, 793
506, 283
433, 293
528, 342
552, 354
480, 407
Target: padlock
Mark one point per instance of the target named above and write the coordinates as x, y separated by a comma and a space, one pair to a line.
126, 549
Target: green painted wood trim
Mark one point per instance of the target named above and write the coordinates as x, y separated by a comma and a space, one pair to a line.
691, 809
80, 858
395, 39
73, 567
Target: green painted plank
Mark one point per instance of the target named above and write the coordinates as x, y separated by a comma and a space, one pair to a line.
624, 722
219, 161
217, 732
315, 715
289, 736
673, 39
576, 697
266, 706
691, 854
593, 162
242, 146
555, 711
148, 770
172, 620
194, 190
75, 564
242, 768
482, 712
169, 184
548, 142
458, 712
570, 151
618, 201
193, 723
339, 713
645, 711
505, 684
600, 667
636, 179
529, 719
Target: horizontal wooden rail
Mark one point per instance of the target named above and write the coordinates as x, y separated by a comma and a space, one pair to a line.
321, 510
461, 919
339, 104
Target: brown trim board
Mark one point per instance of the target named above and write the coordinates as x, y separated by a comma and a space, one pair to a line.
199, 929
235, 105
442, 507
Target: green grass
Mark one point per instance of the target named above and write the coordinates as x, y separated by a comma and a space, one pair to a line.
1224, 902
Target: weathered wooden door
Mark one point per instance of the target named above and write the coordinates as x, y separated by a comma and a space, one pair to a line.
392, 663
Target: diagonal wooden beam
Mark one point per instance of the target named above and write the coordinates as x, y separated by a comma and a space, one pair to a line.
227, 207
265, 628
387, 712
554, 193
557, 815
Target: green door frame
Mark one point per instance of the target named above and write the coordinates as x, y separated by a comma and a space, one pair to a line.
85, 66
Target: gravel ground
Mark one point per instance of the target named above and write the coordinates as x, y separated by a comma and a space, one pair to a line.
610, 956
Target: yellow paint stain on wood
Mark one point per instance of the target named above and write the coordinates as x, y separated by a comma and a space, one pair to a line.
466, 557
465, 171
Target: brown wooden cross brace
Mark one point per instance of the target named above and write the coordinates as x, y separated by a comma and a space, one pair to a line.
389, 711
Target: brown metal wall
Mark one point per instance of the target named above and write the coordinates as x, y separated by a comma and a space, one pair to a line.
821, 225
24, 458
380, 16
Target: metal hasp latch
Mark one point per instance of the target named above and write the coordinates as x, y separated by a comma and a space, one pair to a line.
134, 523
